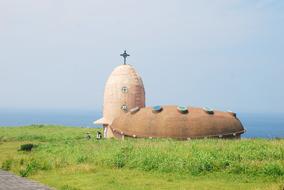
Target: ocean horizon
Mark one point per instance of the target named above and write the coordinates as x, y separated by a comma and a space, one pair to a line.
257, 125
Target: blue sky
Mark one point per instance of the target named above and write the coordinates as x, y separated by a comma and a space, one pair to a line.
225, 54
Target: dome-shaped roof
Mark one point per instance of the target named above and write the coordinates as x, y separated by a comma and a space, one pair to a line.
125, 74
177, 122
124, 90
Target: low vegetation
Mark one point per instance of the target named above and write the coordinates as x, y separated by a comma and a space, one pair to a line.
27, 147
64, 158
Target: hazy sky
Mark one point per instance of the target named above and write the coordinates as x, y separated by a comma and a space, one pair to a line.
225, 54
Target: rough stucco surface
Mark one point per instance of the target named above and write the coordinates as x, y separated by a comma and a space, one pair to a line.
123, 76
114, 98
170, 123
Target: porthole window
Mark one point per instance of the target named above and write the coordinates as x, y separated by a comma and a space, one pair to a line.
134, 110
157, 109
182, 109
124, 89
232, 113
208, 110
124, 108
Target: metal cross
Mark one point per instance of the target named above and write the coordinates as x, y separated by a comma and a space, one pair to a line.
124, 55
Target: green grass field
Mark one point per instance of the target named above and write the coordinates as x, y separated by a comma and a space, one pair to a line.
65, 159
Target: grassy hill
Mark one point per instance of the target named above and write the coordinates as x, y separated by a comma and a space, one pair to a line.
63, 158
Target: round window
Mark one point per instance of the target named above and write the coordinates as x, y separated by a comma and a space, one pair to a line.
157, 109
124, 89
182, 109
208, 110
124, 108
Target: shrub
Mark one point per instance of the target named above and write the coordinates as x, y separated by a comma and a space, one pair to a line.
7, 164
32, 167
82, 159
273, 170
149, 163
121, 157
27, 147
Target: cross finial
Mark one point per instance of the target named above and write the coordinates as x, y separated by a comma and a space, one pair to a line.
124, 55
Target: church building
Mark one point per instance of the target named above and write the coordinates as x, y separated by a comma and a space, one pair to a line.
125, 114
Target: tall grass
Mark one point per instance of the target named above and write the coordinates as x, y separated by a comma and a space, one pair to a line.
59, 147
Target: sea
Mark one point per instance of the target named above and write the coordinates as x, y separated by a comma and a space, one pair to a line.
257, 125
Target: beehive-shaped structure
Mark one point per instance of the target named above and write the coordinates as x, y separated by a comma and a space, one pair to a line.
124, 90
